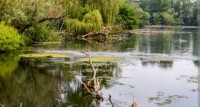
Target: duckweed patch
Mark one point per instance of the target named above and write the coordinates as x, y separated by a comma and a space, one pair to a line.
160, 59
43, 55
100, 59
46, 43
162, 100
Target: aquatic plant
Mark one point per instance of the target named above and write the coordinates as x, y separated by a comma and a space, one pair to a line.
100, 59
162, 100
160, 59
43, 55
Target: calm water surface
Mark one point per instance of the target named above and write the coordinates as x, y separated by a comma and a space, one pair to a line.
156, 70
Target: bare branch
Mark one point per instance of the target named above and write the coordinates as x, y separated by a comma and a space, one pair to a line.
110, 100
88, 90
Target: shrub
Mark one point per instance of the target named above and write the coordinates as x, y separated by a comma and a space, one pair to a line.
9, 38
166, 18
41, 33
163, 18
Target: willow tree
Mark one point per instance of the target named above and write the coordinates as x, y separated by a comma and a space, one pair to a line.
92, 22
108, 8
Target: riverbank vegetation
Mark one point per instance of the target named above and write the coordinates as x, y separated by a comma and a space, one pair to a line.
28, 21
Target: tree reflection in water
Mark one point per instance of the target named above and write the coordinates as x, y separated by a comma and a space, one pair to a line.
51, 81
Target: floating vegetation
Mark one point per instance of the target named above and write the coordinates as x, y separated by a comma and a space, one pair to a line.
190, 79
43, 55
155, 31
160, 59
100, 59
46, 43
162, 100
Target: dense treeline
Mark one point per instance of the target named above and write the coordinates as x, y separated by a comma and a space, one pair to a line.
171, 12
47, 20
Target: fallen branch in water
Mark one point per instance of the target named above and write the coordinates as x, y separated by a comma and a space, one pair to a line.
103, 32
88, 90
96, 86
110, 100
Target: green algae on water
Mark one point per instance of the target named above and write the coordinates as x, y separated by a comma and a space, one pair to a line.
43, 55
100, 59
159, 59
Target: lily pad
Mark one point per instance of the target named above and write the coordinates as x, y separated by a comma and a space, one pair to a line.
43, 55
100, 59
159, 59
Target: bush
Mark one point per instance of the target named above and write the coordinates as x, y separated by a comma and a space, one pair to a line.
127, 17
9, 38
166, 18
143, 17
41, 33
163, 18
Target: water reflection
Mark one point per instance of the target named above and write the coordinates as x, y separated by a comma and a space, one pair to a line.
161, 64
168, 43
8, 63
40, 81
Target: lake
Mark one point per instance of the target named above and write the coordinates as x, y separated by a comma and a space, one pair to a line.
157, 69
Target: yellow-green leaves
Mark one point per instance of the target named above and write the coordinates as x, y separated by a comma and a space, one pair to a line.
9, 38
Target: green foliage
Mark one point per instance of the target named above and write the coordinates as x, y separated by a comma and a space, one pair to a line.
166, 18
163, 18
76, 9
142, 15
92, 22
95, 19
21, 14
127, 17
41, 33
9, 38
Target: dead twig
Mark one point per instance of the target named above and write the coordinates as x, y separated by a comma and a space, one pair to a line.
88, 90
110, 100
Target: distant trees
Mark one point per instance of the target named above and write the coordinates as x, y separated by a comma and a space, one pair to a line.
182, 12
